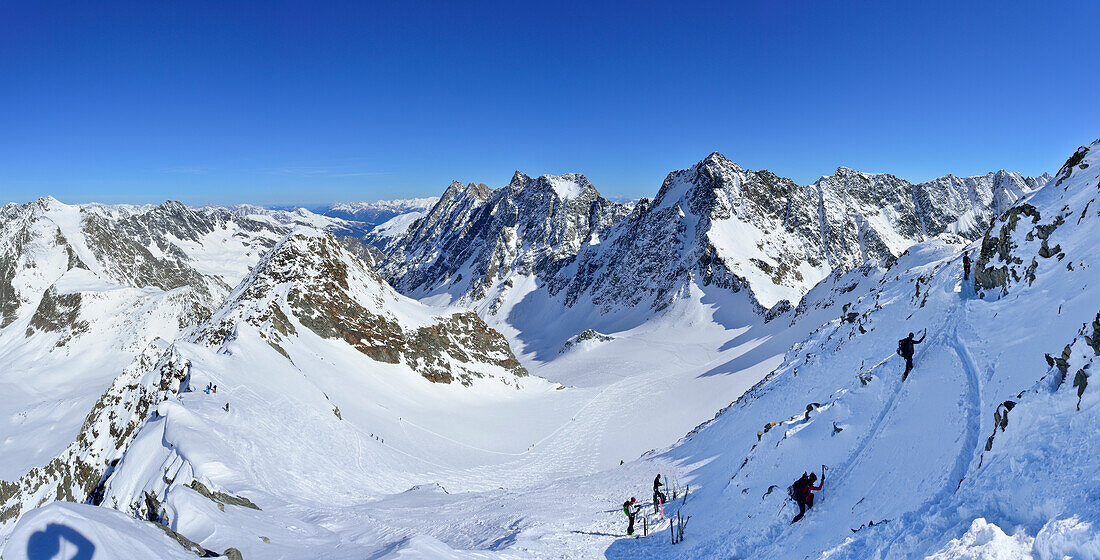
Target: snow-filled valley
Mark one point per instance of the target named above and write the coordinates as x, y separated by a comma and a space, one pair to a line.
492, 373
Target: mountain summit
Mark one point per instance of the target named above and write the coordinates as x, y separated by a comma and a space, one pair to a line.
712, 224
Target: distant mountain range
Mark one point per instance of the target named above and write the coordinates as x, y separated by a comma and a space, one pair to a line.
712, 224
409, 376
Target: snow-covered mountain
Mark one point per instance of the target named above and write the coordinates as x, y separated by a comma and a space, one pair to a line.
475, 237
84, 290
981, 453
378, 212
327, 289
351, 421
715, 223
307, 311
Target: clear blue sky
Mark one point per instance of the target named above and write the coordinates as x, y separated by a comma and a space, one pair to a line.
310, 102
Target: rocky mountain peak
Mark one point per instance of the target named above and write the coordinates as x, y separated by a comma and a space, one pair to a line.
453, 190
699, 189
566, 187
519, 179
715, 160
310, 280
1075, 161
480, 191
173, 206
467, 244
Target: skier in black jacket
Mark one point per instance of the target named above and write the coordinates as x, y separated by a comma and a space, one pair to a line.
804, 493
658, 496
905, 350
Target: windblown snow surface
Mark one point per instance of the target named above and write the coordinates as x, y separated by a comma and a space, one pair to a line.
988, 450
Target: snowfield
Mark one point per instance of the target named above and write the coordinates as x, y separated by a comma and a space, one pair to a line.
334, 436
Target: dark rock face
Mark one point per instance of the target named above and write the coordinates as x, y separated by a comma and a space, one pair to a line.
129, 261
9, 264
58, 313
440, 350
997, 263
1022, 240
221, 498
531, 226
328, 290
182, 540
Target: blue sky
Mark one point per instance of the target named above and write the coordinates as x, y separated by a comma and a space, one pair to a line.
311, 102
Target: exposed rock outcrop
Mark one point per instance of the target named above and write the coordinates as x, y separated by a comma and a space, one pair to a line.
311, 280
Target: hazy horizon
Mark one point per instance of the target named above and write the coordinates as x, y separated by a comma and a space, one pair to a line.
406, 195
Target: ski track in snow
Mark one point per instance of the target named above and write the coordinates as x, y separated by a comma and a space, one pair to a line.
854, 458
970, 449
973, 410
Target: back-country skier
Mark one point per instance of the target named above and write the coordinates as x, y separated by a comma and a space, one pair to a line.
630, 510
658, 496
905, 350
803, 493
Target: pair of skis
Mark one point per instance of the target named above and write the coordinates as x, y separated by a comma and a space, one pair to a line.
659, 507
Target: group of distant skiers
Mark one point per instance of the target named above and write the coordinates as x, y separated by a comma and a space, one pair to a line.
212, 389
631, 507
802, 492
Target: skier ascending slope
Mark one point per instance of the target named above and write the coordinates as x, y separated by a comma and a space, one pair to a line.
630, 510
803, 493
905, 350
966, 266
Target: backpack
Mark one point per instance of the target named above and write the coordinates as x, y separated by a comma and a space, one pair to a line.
794, 490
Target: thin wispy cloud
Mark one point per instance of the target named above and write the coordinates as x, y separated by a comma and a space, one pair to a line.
186, 169
319, 172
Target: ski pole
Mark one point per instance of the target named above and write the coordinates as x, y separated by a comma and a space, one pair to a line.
823, 469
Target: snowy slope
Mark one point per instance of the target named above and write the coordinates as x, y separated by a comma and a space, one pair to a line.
67, 530
344, 435
85, 288
316, 328
394, 227
920, 453
80, 300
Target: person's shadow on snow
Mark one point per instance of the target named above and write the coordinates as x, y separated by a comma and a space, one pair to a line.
46, 544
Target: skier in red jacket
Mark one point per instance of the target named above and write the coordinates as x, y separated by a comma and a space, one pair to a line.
804, 493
